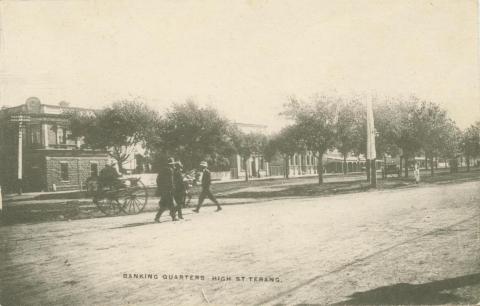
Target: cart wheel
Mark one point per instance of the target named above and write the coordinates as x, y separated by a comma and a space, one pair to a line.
108, 206
134, 199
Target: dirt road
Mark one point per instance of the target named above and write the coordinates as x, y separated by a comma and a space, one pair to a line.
412, 246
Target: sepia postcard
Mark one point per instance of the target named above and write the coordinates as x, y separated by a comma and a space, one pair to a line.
250, 152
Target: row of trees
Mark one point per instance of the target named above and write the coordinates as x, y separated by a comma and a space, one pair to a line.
186, 131
405, 128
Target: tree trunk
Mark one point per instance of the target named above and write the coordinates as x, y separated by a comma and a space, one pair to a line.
431, 166
374, 174
344, 164
426, 162
246, 169
320, 170
287, 167
406, 166
367, 168
400, 167
384, 172
467, 158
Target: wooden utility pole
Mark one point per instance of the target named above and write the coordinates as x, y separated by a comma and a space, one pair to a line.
21, 119
371, 152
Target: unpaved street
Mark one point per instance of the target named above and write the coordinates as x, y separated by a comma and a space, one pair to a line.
408, 246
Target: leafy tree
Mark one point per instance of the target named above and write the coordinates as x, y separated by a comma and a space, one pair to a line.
118, 128
384, 125
351, 129
287, 142
192, 134
316, 122
451, 148
404, 132
409, 126
430, 124
470, 143
248, 145
385, 121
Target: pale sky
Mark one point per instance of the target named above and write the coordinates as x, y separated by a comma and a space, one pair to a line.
243, 57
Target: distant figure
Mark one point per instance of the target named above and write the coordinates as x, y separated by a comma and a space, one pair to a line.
165, 187
416, 173
206, 193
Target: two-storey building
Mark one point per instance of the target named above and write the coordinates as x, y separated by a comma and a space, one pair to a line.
48, 158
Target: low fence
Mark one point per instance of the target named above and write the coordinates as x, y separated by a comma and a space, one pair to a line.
221, 176
277, 171
150, 179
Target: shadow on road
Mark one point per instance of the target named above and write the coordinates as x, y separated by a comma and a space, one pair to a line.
137, 224
433, 293
148, 222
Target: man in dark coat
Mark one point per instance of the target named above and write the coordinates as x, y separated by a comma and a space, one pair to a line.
179, 188
165, 188
206, 193
109, 177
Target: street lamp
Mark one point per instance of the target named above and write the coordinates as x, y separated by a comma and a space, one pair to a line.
21, 119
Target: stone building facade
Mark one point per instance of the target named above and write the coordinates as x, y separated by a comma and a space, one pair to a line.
50, 158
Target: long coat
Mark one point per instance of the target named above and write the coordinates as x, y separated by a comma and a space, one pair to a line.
165, 180
179, 184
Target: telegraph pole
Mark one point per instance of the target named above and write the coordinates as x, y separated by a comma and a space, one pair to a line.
21, 119
371, 152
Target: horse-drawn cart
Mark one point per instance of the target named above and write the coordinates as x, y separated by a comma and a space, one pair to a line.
126, 195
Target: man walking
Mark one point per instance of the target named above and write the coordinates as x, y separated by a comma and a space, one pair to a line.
165, 188
179, 188
206, 193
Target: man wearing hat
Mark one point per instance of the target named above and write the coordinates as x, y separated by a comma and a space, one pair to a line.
165, 188
109, 176
206, 193
179, 188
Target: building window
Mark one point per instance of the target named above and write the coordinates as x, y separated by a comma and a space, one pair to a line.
93, 169
61, 135
64, 171
68, 137
35, 134
52, 135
